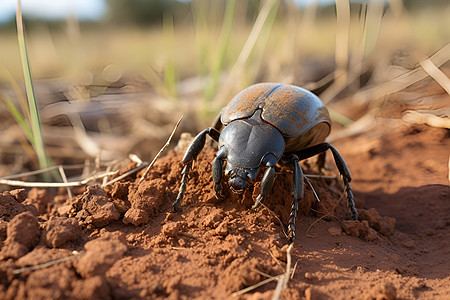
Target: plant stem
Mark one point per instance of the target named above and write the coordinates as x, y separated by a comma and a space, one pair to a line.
35, 123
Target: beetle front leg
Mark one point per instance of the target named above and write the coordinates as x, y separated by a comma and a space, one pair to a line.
298, 193
183, 185
198, 143
266, 186
191, 154
267, 181
217, 170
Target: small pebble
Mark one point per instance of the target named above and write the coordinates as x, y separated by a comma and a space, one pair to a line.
409, 244
335, 231
309, 276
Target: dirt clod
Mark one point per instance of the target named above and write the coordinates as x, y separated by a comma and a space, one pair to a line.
10, 207
23, 233
53, 283
60, 230
172, 229
136, 216
101, 254
384, 291
91, 288
20, 195
93, 207
310, 276
148, 196
360, 229
384, 225
39, 198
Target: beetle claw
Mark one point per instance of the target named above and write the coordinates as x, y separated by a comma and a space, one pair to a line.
176, 207
218, 189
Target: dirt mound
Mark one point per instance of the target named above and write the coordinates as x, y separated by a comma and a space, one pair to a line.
124, 240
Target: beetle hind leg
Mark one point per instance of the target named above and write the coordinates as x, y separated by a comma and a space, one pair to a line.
351, 202
342, 167
298, 193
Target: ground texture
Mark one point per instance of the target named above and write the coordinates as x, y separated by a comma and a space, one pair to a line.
124, 242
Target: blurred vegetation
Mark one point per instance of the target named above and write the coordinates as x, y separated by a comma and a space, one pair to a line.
132, 36
202, 52
143, 12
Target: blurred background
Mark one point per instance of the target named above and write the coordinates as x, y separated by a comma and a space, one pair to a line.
112, 77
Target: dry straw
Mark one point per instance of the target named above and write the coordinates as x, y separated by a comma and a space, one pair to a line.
160, 151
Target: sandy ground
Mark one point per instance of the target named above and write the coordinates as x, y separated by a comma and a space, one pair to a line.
124, 242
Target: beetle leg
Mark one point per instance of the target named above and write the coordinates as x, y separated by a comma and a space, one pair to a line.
351, 202
183, 185
217, 170
340, 163
267, 181
191, 154
217, 124
266, 186
311, 151
298, 193
342, 167
198, 143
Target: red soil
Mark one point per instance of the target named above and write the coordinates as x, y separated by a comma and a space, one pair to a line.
130, 245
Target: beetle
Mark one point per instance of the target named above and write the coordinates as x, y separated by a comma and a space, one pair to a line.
266, 124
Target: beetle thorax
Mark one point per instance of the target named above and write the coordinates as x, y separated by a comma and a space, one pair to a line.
247, 143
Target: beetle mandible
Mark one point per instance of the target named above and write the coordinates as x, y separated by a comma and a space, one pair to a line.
266, 124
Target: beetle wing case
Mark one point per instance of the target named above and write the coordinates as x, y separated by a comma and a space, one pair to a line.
291, 109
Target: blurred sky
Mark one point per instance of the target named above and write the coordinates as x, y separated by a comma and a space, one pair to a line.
82, 9
54, 9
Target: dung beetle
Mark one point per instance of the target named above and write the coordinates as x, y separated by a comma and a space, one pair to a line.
266, 124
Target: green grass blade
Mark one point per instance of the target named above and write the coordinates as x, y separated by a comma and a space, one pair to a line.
224, 41
18, 117
340, 118
170, 71
23, 102
35, 123
256, 59
199, 12
237, 74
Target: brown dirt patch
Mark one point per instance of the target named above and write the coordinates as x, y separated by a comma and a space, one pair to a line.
131, 245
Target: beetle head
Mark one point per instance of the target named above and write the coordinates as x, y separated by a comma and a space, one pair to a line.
239, 177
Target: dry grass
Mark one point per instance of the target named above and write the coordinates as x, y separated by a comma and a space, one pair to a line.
117, 90
133, 83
